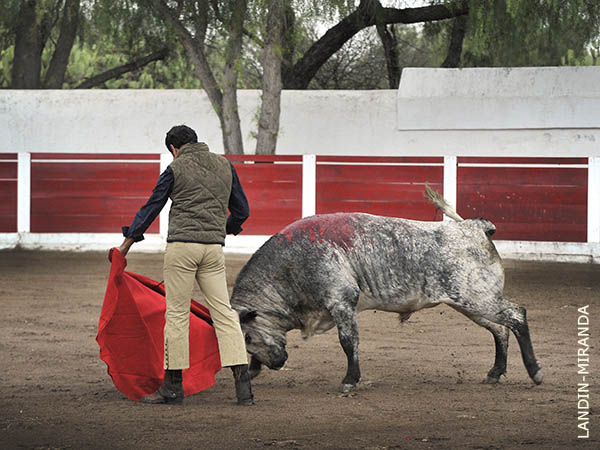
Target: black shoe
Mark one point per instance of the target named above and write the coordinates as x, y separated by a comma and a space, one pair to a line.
243, 388
170, 392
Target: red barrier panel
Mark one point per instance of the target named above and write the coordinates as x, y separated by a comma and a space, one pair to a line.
273, 185
96, 156
8, 193
92, 197
526, 203
537, 199
387, 186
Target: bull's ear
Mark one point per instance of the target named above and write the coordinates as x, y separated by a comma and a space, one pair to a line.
246, 315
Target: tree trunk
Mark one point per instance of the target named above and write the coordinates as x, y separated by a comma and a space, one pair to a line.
116, 72
288, 40
268, 123
368, 13
232, 131
459, 28
55, 75
388, 39
29, 44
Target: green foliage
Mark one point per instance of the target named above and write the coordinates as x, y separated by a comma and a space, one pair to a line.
499, 33
6, 57
173, 73
530, 32
8, 18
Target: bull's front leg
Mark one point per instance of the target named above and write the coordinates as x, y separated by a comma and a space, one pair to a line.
346, 320
254, 367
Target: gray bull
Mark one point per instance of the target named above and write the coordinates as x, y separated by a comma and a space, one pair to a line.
310, 276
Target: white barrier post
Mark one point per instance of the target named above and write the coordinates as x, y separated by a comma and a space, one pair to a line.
165, 160
24, 193
309, 185
450, 170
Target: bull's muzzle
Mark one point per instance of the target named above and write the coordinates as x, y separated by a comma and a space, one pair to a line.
278, 361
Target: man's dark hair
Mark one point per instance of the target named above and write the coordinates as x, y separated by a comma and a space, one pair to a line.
180, 135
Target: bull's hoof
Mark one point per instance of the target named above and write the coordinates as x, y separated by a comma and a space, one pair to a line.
345, 388
538, 377
491, 380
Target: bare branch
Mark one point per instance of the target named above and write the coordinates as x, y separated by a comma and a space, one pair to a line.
116, 72
368, 13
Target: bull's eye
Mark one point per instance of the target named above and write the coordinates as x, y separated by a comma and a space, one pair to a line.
248, 339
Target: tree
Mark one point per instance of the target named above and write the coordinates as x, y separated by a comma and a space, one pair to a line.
31, 32
457, 37
268, 122
55, 74
44, 33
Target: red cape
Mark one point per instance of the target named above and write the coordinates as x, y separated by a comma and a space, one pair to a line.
130, 335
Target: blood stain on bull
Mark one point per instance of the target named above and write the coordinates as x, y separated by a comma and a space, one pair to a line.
321, 271
336, 229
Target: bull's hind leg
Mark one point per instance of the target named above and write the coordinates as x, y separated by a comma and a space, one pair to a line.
505, 313
500, 334
345, 315
516, 319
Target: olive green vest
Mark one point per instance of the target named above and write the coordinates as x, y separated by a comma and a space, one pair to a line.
200, 196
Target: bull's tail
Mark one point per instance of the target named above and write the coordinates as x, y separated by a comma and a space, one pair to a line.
441, 204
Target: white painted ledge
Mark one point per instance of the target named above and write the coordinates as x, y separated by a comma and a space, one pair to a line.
578, 252
8, 240
244, 244
81, 242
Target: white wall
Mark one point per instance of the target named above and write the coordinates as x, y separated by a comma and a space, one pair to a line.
484, 112
540, 111
114, 121
499, 99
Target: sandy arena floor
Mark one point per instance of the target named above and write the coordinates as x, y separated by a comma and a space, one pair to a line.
421, 386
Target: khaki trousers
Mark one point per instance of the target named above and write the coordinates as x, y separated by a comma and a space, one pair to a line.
205, 263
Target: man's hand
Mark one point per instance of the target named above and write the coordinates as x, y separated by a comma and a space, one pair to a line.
125, 246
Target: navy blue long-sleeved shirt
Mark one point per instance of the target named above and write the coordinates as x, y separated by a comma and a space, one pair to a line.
238, 206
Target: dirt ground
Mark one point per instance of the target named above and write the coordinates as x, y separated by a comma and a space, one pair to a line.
421, 386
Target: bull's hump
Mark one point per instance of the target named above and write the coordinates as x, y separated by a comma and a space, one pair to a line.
338, 228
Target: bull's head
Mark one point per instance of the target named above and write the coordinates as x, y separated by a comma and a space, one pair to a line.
265, 341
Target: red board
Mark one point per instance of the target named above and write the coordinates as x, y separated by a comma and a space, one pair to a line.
519, 160
264, 158
95, 156
8, 193
387, 190
370, 160
527, 203
274, 192
89, 197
